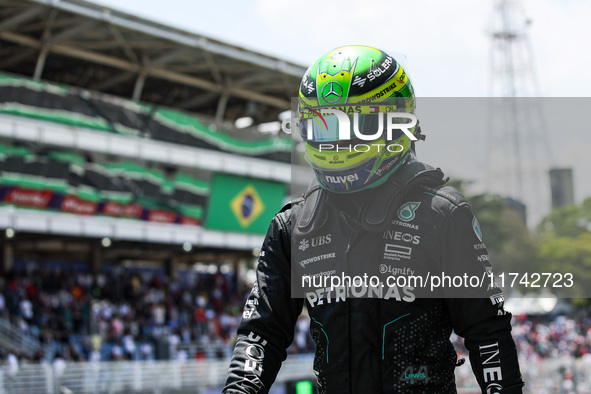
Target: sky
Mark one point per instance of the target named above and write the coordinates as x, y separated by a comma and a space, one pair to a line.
447, 45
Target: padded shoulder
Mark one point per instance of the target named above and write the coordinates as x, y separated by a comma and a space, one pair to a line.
449, 193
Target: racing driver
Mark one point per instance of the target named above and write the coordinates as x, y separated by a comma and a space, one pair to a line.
379, 213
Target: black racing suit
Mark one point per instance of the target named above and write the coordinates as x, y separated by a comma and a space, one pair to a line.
397, 339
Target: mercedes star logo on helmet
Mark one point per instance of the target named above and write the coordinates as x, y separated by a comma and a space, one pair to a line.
332, 92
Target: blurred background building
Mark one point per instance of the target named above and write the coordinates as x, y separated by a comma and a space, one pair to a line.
561, 182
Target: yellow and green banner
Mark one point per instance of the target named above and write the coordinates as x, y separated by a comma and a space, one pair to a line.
243, 204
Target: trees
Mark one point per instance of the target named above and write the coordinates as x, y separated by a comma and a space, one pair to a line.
568, 221
510, 245
560, 245
565, 246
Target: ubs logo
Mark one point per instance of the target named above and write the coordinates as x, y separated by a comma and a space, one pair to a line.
321, 240
314, 242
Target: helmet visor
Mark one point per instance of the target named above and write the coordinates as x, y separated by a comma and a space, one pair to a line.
365, 123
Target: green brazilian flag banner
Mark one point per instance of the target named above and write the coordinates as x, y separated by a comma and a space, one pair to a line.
243, 204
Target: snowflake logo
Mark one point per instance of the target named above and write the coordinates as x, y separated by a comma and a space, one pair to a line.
303, 245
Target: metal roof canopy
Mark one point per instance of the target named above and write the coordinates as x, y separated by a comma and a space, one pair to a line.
81, 44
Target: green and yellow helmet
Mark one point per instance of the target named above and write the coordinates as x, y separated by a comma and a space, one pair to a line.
350, 102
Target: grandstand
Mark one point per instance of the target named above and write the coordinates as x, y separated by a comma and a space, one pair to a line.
108, 116
139, 168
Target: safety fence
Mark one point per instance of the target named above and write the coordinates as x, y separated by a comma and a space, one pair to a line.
194, 376
565, 375
13, 338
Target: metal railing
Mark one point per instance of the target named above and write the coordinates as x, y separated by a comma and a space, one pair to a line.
201, 350
14, 339
566, 375
194, 376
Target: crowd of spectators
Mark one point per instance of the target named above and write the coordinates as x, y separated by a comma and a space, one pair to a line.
143, 314
129, 314
546, 337
123, 314
542, 337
